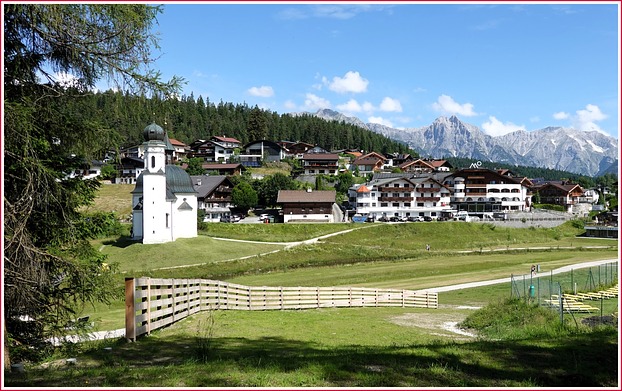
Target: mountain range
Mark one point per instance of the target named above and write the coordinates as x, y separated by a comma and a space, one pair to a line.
587, 153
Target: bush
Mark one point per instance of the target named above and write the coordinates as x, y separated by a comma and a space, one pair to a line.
101, 225
514, 319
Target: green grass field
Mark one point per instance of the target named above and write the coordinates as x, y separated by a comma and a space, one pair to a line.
357, 347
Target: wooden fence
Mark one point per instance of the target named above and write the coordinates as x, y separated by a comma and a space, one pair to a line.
152, 303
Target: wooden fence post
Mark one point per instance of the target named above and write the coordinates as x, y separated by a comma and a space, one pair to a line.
148, 305
130, 312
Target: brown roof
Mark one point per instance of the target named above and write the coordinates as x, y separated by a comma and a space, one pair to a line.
320, 156
208, 166
177, 142
226, 139
293, 196
367, 160
363, 189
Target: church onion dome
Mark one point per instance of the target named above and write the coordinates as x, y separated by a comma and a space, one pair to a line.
154, 132
178, 180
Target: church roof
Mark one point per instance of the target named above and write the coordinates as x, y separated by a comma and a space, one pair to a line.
177, 181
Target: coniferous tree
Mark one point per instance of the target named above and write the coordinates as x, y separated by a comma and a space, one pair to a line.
50, 269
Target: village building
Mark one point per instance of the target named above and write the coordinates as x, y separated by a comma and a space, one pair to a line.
562, 193
213, 196
320, 163
164, 201
309, 206
257, 152
484, 190
400, 197
217, 149
180, 150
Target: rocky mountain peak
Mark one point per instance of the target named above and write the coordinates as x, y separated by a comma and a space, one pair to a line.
587, 153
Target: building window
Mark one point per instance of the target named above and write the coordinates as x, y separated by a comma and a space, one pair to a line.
167, 216
384, 204
396, 204
152, 161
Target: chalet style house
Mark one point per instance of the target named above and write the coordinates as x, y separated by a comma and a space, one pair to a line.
420, 165
256, 152
223, 169
368, 164
320, 163
430, 195
216, 149
400, 196
560, 193
311, 206
180, 150
213, 196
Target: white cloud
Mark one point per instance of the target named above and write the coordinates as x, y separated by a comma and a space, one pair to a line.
446, 104
586, 119
368, 107
351, 82
352, 106
314, 102
494, 127
263, 91
381, 121
390, 104
289, 105
561, 115
534, 119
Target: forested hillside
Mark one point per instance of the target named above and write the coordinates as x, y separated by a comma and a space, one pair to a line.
187, 119
122, 118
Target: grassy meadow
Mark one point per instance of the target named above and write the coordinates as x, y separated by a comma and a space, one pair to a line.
356, 347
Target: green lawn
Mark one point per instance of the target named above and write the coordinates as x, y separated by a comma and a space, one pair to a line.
358, 347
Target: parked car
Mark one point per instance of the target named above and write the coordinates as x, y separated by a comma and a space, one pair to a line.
226, 219
427, 218
415, 218
263, 216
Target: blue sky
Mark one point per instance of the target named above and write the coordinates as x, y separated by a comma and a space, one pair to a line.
501, 67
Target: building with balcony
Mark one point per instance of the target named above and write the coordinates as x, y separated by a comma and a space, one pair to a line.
484, 190
400, 196
562, 193
320, 163
216, 149
213, 196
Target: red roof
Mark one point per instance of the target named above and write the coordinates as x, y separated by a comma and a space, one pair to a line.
362, 189
226, 139
177, 142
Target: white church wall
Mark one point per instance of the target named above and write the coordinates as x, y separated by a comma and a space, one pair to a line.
185, 224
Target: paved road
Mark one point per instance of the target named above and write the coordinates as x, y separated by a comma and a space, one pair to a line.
508, 279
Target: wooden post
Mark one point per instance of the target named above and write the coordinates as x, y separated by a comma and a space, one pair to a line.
130, 312
148, 305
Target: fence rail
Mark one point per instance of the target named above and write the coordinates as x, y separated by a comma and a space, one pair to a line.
152, 303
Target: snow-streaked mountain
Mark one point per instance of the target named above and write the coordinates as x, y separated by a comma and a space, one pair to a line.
587, 153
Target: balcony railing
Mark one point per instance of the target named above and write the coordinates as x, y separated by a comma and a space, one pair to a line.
432, 199
395, 199
392, 189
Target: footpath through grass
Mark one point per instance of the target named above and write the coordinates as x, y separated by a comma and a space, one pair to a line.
360, 347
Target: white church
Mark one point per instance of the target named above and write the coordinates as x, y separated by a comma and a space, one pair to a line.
164, 201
